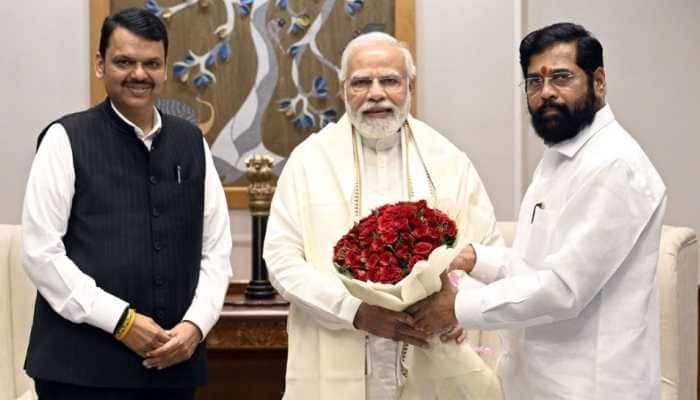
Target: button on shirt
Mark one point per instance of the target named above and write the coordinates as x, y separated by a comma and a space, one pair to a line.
577, 290
75, 295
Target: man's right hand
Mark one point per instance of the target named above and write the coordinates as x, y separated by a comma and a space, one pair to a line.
393, 325
145, 335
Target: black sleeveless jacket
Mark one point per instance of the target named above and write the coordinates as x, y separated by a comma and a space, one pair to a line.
135, 227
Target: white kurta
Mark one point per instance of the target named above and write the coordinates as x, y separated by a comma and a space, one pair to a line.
578, 287
383, 182
311, 210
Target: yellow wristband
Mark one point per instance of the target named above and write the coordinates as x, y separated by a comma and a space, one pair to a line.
126, 326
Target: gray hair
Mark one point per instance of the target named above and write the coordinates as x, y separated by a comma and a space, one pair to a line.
376, 37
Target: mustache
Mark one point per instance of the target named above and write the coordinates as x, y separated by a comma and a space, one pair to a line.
382, 104
147, 82
549, 103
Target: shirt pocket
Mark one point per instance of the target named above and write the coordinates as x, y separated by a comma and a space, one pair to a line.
538, 236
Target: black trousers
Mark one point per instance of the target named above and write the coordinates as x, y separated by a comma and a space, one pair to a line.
48, 390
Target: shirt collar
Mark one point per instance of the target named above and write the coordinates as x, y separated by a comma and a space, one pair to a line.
157, 122
570, 147
382, 144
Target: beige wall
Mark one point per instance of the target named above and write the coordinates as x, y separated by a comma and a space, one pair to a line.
467, 77
43, 70
466, 83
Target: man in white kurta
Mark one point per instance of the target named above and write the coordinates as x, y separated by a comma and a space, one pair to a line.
577, 289
339, 347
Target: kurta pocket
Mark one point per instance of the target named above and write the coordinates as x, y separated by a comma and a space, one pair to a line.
536, 243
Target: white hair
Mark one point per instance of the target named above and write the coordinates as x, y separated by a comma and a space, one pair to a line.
376, 37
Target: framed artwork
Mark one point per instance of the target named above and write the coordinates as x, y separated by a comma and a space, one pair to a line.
257, 76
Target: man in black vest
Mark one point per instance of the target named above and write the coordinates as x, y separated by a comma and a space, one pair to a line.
126, 235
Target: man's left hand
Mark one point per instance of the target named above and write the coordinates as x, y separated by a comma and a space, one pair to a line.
184, 338
436, 314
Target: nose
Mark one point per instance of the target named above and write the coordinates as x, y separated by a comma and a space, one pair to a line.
376, 91
548, 90
139, 72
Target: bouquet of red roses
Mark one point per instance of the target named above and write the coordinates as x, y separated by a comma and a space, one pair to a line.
384, 246
392, 259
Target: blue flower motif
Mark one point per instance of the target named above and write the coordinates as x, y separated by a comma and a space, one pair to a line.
189, 59
153, 7
202, 80
211, 60
294, 50
284, 104
224, 52
180, 69
327, 116
295, 28
246, 6
352, 7
304, 121
281, 4
330, 113
319, 87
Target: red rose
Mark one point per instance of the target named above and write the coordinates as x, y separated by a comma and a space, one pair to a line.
403, 252
389, 237
372, 261
421, 231
352, 259
422, 248
386, 258
408, 239
360, 274
376, 245
365, 234
385, 225
391, 274
400, 224
373, 275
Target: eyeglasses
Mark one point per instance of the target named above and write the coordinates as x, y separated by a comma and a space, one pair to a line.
362, 84
560, 80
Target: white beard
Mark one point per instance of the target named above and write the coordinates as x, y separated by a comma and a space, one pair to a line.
378, 128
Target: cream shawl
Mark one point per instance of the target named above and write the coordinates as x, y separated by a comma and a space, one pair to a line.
310, 211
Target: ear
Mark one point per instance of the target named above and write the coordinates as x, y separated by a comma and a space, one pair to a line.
599, 85
99, 66
411, 86
341, 85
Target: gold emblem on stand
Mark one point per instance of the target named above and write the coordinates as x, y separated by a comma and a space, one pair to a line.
262, 185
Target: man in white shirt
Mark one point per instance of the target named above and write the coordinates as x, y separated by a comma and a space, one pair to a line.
339, 347
126, 236
576, 292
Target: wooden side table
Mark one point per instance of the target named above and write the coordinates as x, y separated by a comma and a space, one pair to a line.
247, 350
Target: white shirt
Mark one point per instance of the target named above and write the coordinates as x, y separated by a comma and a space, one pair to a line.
577, 290
75, 295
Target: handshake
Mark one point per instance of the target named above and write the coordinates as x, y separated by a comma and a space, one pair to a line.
431, 316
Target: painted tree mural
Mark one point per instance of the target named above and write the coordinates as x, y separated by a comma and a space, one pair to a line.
258, 76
